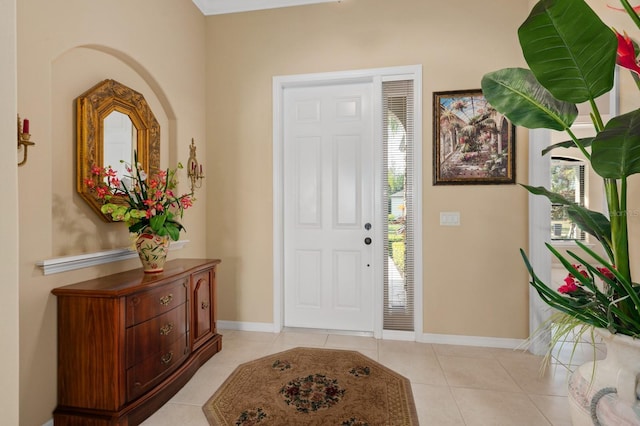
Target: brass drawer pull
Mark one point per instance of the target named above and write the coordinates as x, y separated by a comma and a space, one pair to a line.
166, 359
205, 305
166, 329
165, 300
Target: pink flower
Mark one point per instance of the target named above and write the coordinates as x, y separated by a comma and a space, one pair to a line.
102, 191
186, 202
95, 170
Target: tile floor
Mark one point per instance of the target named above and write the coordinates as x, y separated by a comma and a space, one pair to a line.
452, 385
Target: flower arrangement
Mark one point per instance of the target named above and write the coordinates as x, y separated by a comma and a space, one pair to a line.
150, 204
572, 57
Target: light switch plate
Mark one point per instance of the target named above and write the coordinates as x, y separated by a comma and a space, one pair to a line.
450, 218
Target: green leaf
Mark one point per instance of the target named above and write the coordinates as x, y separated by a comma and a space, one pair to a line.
517, 94
173, 231
616, 149
586, 142
137, 227
569, 49
157, 222
591, 222
552, 196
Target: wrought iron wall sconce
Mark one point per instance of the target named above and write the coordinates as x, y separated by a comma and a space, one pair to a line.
23, 138
195, 170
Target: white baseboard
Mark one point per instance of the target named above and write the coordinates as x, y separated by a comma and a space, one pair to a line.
445, 339
264, 327
488, 342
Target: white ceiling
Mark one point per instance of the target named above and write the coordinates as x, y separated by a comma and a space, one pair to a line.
218, 7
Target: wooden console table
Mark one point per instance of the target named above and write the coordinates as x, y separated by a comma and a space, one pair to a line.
128, 342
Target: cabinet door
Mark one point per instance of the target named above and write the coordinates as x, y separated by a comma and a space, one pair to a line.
203, 318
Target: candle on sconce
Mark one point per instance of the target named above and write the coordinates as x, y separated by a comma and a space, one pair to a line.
200, 169
25, 126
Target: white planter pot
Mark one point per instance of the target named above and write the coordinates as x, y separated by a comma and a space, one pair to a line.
610, 392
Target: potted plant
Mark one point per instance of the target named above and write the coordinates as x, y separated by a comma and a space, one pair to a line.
148, 206
572, 55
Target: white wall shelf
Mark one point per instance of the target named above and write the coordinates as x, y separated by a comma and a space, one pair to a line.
70, 263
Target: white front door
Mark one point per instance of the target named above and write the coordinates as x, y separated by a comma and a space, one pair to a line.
328, 206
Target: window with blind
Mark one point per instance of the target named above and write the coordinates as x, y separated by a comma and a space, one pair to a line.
399, 213
568, 180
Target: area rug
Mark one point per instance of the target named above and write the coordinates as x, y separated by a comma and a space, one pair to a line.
307, 386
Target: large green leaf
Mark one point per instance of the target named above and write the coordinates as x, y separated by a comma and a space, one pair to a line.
616, 150
585, 142
517, 94
569, 49
591, 222
552, 196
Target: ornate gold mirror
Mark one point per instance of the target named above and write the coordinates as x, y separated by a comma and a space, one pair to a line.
113, 121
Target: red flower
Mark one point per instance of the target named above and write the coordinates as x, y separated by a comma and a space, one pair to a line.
606, 272
626, 53
569, 287
635, 8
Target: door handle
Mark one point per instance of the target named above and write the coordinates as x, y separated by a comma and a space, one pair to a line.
367, 241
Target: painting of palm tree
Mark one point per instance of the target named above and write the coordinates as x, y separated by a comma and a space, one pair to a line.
473, 143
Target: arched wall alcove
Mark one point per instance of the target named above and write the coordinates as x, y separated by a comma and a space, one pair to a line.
76, 229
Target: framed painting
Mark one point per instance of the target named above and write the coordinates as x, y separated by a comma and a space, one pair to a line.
472, 142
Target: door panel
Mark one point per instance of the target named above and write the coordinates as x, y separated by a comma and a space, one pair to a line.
328, 196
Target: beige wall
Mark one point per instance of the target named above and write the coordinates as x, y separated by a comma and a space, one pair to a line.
9, 356
474, 280
156, 47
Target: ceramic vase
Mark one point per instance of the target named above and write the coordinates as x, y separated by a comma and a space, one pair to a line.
152, 250
605, 392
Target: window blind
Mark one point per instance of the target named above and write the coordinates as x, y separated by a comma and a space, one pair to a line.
399, 212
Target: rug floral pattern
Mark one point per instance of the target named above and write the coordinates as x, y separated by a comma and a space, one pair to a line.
305, 386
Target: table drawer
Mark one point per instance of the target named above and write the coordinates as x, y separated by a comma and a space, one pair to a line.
156, 334
148, 304
145, 375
